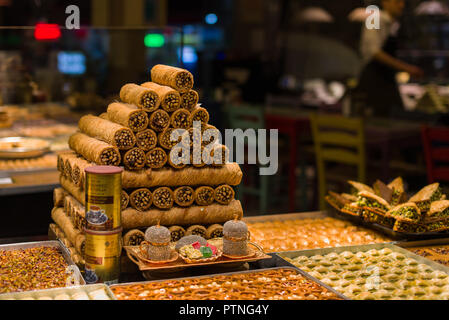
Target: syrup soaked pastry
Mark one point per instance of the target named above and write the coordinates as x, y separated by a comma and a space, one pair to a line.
279, 284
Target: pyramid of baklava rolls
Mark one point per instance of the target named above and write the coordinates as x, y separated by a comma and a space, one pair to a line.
135, 133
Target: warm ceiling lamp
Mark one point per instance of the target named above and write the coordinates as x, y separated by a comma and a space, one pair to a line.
315, 14
46, 31
432, 8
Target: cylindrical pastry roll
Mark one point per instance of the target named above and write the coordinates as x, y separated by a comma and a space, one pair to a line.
141, 199
189, 99
146, 140
180, 119
178, 159
68, 164
196, 158
76, 212
72, 167
159, 120
211, 135
165, 138
73, 235
194, 138
214, 231
184, 196
107, 131
68, 169
95, 150
55, 229
133, 238
60, 162
170, 99
72, 189
156, 158
144, 98
224, 194
204, 196
220, 155
58, 197
75, 255
76, 173
66, 209
199, 114
214, 176
79, 217
124, 200
215, 213
163, 198
104, 116
134, 159
77, 166
176, 233
128, 115
196, 230
177, 78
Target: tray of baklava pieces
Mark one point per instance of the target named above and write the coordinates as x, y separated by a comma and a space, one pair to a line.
374, 272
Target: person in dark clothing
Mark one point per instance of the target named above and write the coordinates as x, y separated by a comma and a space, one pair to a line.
377, 83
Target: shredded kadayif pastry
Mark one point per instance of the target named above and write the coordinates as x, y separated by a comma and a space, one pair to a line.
279, 284
276, 236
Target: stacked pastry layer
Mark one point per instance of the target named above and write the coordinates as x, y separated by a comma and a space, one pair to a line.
189, 198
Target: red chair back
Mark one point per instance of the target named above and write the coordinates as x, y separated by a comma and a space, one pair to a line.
436, 148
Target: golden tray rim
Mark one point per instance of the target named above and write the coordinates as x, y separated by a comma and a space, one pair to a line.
179, 263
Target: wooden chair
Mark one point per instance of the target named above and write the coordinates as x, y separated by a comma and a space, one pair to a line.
339, 140
436, 149
250, 117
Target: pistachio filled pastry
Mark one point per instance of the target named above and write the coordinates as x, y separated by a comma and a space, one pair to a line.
426, 196
383, 191
350, 197
438, 226
359, 187
406, 212
409, 227
336, 200
369, 201
352, 209
379, 218
399, 196
439, 210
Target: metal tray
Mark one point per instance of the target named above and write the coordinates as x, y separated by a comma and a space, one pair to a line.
303, 216
53, 244
54, 292
304, 274
362, 248
355, 249
423, 243
23, 153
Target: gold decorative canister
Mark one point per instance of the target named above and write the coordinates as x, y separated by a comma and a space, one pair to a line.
103, 198
102, 256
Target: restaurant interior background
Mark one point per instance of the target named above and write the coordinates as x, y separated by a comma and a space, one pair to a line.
271, 63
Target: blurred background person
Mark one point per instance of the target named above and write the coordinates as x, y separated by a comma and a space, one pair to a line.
377, 83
